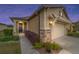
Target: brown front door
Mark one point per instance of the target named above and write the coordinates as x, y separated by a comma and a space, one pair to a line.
20, 27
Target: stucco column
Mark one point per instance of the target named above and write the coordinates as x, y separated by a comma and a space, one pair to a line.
45, 31
45, 35
27, 25
71, 28
14, 28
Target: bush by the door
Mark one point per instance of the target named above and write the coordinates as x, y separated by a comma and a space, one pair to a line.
8, 32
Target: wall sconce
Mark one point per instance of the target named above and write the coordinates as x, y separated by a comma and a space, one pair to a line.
20, 22
50, 22
50, 19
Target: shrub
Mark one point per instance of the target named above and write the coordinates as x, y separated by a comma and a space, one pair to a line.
33, 37
15, 38
47, 46
75, 34
38, 45
69, 34
55, 46
9, 38
5, 38
8, 32
51, 46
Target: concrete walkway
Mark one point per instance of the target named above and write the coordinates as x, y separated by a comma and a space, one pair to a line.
26, 47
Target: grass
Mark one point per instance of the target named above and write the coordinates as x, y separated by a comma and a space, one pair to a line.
9, 38
74, 34
11, 47
9, 44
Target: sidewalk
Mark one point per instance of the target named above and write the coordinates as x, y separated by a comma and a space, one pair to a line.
26, 47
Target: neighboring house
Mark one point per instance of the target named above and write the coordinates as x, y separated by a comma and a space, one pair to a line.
76, 26
49, 22
2, 26
10, 26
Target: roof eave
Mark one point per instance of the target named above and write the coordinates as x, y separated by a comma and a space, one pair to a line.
16, 18
39, 9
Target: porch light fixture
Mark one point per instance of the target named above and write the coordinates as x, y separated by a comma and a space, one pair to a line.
51, 17
20, 21
50, 22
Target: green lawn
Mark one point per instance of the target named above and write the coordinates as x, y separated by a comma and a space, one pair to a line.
10, 47
74, 34
9, 44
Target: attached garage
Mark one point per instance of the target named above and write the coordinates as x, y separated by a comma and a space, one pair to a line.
58, 30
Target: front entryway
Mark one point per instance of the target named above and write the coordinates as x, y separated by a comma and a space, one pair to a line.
20, 28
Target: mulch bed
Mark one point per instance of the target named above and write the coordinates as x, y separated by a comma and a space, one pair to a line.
43, 51
33, 37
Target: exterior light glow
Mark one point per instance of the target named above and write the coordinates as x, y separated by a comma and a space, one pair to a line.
50, 22
20, 22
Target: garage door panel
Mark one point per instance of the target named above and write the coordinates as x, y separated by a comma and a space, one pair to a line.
58, 30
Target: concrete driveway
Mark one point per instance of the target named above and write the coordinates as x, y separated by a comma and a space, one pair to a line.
70, 44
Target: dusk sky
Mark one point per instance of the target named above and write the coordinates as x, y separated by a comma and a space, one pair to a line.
7, 11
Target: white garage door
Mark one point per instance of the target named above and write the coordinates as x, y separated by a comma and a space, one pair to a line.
58, 30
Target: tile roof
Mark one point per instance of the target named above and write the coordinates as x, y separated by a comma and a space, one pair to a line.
19, 18
52, 5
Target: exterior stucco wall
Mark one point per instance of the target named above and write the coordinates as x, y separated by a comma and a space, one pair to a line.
51, 11
57, 12
44, 14
34, 24
42, 19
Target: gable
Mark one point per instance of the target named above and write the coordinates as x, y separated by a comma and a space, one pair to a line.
64, 14
58, 12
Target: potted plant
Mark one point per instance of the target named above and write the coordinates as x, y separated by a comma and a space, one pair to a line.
47, 46
55, 48
39, 46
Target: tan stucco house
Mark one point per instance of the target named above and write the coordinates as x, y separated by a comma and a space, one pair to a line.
49, 22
